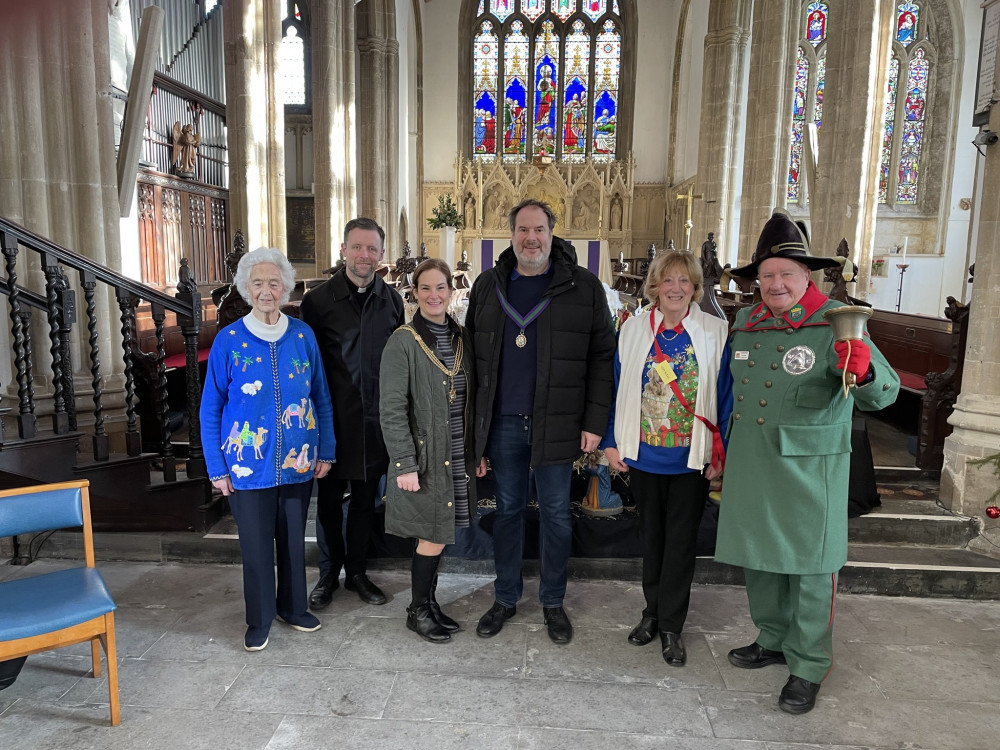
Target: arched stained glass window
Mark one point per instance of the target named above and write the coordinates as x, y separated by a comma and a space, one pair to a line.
485, 66
515, 55
293, 58
574, 120
808, 88
904, 123
546, 77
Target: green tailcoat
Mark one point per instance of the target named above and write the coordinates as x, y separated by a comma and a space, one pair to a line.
784, 494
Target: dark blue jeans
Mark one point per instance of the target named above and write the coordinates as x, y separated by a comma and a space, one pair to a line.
509, 451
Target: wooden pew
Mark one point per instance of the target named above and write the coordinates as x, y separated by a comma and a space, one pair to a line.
928, 354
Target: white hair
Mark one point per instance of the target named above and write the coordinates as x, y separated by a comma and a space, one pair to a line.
264, 255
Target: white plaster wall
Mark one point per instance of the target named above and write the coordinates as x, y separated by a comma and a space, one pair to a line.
657, 33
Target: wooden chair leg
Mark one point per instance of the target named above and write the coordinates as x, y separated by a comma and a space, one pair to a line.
95, 655
111, 651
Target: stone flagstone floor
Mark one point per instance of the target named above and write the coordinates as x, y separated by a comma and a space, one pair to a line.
909, 673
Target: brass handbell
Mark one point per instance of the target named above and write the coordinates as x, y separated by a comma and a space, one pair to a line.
848, 323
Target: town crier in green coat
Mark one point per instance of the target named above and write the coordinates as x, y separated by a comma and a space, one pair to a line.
784, 498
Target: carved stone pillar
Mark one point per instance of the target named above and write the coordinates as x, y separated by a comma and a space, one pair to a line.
334, 131
976, 417
255, 122
768, 139
843, 204
57, 178
721, 117
378, 107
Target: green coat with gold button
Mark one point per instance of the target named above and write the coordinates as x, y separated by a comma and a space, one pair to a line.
784, 493
414, 410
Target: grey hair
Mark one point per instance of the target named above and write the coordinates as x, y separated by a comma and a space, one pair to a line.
264, 255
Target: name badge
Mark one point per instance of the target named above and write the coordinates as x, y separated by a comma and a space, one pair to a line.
666, 372
741, 355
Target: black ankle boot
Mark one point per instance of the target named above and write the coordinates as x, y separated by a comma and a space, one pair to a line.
442, 619
419, 617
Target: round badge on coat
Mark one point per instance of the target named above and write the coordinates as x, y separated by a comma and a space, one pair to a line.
798, 360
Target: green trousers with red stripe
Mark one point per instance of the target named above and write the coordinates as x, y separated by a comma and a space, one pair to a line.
795, 615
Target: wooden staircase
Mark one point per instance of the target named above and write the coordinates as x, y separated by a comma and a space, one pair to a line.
131, 490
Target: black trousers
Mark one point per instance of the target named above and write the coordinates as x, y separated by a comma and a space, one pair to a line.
670, 509
360, 519
271, 518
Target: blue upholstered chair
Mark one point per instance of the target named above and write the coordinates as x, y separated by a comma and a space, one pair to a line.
65, 607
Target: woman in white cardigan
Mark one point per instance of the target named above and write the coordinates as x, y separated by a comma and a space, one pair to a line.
673, 393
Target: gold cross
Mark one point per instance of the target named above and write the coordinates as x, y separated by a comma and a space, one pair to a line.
690, 197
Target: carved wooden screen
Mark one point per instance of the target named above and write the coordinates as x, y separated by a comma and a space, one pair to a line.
177, 222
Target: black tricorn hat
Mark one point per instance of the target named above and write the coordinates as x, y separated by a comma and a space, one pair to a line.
782, 238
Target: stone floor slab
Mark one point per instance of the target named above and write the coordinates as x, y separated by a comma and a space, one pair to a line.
314, 691
642, 709
297, 732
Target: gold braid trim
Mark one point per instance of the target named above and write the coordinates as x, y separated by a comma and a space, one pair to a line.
433, 357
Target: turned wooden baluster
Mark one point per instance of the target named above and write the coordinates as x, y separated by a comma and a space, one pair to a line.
53, 283
190, 324
166, 447
22, 361
67, 319
102, 450
127, 303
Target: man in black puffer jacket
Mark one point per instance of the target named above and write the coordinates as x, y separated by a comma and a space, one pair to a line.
544, 350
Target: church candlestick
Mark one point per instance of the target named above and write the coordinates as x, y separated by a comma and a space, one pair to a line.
899, 289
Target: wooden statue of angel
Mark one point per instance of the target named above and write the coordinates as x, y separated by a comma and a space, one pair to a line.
186, 142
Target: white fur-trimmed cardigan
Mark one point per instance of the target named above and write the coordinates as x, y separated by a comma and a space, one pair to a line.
708, 337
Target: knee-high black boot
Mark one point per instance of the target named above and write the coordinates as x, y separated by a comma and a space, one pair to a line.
419, 617
442, 619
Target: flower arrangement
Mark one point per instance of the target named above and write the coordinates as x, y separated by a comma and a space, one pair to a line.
445, 214
877, 265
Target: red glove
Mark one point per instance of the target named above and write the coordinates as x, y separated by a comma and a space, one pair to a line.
858, 361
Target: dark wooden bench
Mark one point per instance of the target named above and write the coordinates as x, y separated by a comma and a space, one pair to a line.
928, 354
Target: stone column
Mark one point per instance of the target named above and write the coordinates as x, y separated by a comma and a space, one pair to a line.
721, 118
768, 138
255, 123
57, 170
378, 92
334, 135
976, 417
843, 204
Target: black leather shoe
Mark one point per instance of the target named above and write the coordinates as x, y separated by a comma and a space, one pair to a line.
492, 622
420, 620
643, 632
755, 656
673, 649
368, 591
557, 623
798, 696
323, 592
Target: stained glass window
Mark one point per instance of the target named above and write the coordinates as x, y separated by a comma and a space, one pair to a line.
515, 112
808, 88
595, 8
532, 9
574, 119
546, 77
816, 23
501, 8
907, 15
565, 8
485, 67
608, 61
904, 121
888, 127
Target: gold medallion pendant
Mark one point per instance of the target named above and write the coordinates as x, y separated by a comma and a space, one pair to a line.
521, 341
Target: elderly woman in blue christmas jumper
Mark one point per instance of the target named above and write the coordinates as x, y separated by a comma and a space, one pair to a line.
267, 430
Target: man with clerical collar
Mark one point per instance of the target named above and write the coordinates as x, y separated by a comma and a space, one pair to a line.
353, 314
784, 495
544, 350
